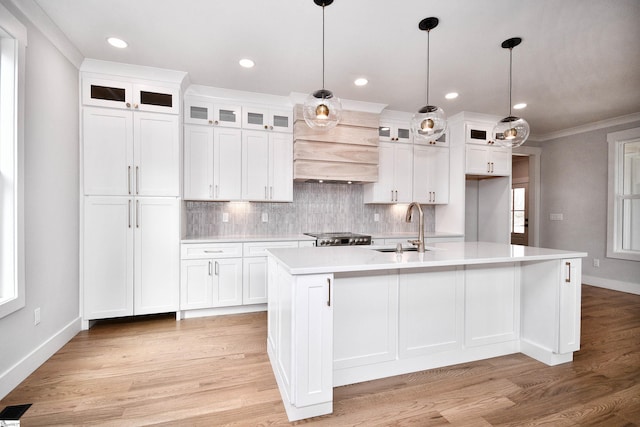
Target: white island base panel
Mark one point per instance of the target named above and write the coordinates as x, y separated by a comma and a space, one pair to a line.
331, 329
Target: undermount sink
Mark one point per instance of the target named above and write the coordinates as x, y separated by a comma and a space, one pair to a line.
410, 249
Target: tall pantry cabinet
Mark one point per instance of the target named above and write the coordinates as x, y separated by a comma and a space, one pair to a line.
130, 186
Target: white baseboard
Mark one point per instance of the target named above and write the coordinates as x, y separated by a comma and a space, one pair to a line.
615, 285
13, 376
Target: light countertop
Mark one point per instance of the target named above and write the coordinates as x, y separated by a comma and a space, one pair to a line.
249, 238
337, 259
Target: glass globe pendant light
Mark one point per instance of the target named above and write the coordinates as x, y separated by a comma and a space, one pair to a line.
511, 131
322, 109
430, 122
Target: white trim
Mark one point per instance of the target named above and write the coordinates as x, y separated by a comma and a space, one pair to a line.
12, 25
614, 285
615, 141
131, 71
13, 376
602, 124
51, 31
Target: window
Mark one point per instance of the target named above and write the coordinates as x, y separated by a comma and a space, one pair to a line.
623, 229
12, 51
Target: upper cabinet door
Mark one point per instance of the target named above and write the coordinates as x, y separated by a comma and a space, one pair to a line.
200, 112
227, 115
227, 160
263, 118
198, 163
107, 93
156, 155
125, 95
394, 131
156, 99
107, 151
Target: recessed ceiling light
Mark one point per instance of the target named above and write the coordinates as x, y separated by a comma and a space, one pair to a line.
519, 106
451, 95
246, 63
361, 81
116, 42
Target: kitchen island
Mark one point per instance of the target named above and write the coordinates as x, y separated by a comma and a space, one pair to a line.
342, 315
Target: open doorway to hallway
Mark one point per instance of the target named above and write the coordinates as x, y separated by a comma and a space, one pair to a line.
519, 216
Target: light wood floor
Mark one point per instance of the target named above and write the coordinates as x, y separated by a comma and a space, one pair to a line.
215, 371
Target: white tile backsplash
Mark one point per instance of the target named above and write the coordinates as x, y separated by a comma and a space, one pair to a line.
315, 208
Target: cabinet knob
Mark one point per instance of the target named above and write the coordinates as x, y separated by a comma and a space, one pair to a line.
128, 105
135, 106
266, 127
215, 122
210, 122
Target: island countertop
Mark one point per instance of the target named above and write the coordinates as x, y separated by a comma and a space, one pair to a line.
317, 260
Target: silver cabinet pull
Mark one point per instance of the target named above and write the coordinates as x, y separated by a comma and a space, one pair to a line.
211, 191
129, 179
137, 213
210, 268
129, 213
329, 294
266, 196
217, 191
392, 195
217, 268
568, 279
213, 251
491, 167
137, 180
271, 193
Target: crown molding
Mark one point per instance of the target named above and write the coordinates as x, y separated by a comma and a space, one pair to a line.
602, 124
34, 13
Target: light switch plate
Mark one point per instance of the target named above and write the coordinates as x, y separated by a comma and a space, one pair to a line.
225, 216
265, 217
556, 217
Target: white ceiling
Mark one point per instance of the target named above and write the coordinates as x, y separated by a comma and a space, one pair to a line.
579, 61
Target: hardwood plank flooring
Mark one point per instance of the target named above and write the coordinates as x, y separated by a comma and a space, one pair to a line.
215, 372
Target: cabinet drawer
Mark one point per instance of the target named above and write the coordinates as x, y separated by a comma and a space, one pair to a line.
211, 250
260, 248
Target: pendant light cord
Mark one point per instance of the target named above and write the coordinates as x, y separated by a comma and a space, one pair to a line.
510, 74
322, 47
427, 89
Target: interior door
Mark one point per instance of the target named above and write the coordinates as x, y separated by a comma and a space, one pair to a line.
520, 214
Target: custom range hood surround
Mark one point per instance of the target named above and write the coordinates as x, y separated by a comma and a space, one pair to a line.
346, 153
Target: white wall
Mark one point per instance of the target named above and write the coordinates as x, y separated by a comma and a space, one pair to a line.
574, 183
51, 212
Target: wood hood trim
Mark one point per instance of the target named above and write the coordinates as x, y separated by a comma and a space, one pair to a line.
347, 153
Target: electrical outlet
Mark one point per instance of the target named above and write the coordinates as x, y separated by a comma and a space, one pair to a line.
225, 216
556, 217
376, 217
596, 262
36, 316
265, 217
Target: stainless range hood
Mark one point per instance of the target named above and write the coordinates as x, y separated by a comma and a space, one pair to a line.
347, 153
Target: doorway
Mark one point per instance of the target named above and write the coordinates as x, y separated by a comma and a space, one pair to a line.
519, 215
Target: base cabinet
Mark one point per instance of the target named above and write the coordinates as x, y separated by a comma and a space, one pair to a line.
130, 257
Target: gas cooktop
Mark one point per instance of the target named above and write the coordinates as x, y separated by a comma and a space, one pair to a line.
344, 238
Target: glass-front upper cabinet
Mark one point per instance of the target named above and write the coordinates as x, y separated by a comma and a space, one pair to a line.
261, 118
126, 95
211, 113
478, 133
394, 131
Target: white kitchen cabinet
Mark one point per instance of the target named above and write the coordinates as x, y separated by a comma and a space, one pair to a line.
395, 166
211, 275
267, 118
551, 295
156, 255
212, 113
126, 153
492, 304
430, 174
212, 163
394, 131
431, 311
130, 256
570, 297
254, 270
372, 296
101, 92
479, 133
487, 160
267, 166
